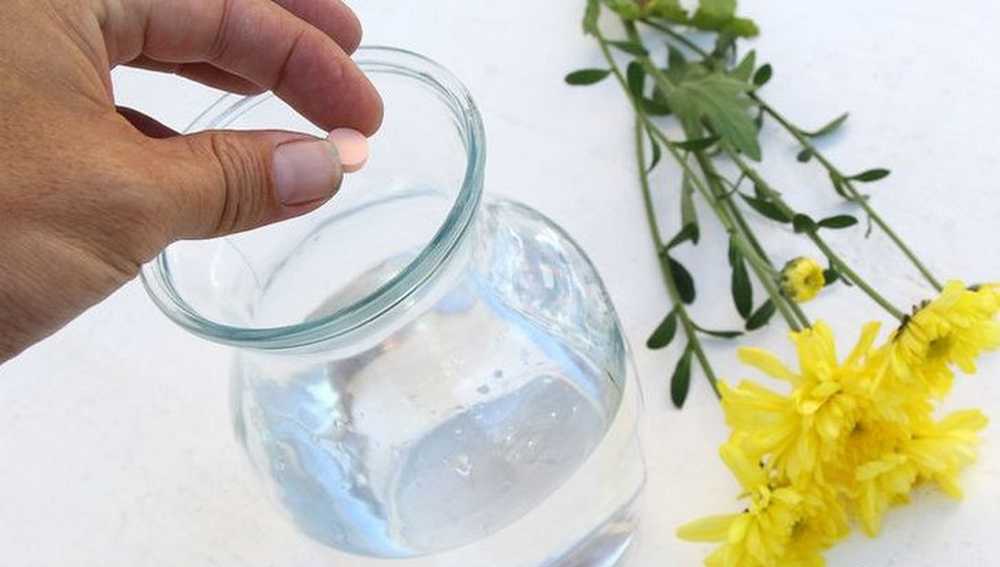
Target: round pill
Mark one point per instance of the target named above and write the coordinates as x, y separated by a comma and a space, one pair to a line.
352, 147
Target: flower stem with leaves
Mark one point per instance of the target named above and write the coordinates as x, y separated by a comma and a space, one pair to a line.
845, 184
711, 100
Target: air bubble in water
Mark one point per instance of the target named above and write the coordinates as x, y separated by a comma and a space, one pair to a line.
462, 464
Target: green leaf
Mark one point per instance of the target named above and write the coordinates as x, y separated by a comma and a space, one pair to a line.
697, 145
590, 17
744, 70
587, 76
829, 128
733, 252
740, 283
765, 208
722, 334
682, 280
763, 75
723, 101
830, 276
689, 217
725, 47
758, 120
870, 175
654, 107
804, 155
722, 10
668, 10
741, 27
657, 152
686, 233
761, 316
628, 9
629, 47
838, 221
675, 59
664, 332
713, 15
838, 185
720, 16
636, 79
803, 223
680, 382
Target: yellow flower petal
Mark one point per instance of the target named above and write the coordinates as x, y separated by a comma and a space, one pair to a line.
868, 335
711, 528
749, 474
767, 363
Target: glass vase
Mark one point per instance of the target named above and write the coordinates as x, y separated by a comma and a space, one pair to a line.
423, 376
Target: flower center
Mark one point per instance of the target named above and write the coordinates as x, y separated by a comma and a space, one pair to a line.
797, 528
939, 347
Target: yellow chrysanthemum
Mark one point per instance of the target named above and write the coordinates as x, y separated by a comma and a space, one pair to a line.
897, 400
942, 449
761, 535
953, 329
809, 426
802, 279
882, 482
882, 461
852, 436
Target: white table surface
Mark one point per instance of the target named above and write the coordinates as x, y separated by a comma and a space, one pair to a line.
115, 436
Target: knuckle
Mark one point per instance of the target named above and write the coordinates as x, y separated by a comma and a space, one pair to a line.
220, 46
240, 200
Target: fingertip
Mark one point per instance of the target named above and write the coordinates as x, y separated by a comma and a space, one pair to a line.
328, 88
352, 34
371, 119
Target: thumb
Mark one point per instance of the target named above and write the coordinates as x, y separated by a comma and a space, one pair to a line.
228, 181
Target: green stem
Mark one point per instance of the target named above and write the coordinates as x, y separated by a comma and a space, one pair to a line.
677, 37
745, 227
761, 267
843, 268
690, 329
832, 256
855, 195
647, 64
765, 271
758, 263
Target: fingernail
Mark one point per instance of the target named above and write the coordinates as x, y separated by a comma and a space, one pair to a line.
306, 171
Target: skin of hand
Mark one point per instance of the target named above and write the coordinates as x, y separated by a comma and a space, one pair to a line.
89, 192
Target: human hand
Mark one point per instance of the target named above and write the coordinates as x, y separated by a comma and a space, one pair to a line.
90, 192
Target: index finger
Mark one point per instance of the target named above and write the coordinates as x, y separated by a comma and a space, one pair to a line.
265, 44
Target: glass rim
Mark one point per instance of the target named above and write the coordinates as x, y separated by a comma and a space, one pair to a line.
156, 275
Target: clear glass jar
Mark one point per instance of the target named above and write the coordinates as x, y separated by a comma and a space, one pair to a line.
420, 376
